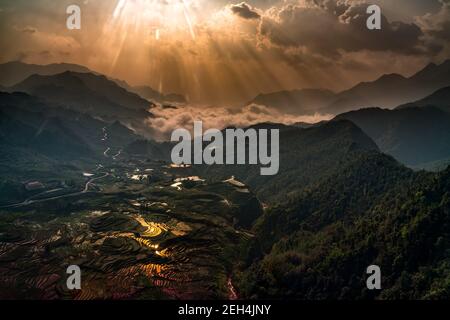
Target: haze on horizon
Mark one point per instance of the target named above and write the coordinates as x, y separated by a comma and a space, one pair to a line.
222, 52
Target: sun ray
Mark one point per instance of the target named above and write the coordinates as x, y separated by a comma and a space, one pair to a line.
188, 19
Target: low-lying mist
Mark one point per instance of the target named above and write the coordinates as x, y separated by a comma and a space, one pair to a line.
167, 119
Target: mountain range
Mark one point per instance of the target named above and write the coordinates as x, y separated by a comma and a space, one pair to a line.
306, 157
414, 136
439, 99
26, 119
388, 91
12, 73
304, 102
337, 206
417, 138
91, 94
153, 95
317, 243
341, 201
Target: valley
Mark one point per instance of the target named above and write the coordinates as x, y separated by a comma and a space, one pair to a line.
133, 234
83, 184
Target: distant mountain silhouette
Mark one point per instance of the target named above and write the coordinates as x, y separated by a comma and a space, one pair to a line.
414, 136
153, 95
306, 125
392, 90
434, 75
439, 99
14, 72
306, 101
110, 89
87, 93
388, 91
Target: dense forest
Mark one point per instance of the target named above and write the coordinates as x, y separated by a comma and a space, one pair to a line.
318, 244
337, 206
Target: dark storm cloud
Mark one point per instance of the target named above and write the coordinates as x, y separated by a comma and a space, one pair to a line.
438, 25
244, 10
285, 44
328, 27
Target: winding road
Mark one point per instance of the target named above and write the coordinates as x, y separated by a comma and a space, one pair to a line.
85, 190
106, 152
30, 201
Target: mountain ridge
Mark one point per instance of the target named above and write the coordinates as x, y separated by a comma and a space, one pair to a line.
387, 91
306, 155
91, 94
11, 73
439, 99
14, 72
412, 135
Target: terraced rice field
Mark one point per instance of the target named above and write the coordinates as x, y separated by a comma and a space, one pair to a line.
159, 244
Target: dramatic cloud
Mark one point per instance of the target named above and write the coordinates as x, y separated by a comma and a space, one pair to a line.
244, 10
166, 120
328, 27
225, 52
436, 28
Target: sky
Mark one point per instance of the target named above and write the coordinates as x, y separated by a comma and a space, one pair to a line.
223, 53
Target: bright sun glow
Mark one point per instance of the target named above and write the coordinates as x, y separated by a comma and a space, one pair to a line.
159, 16
182, 46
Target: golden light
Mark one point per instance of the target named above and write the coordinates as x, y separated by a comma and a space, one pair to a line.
159, 16
194, 47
